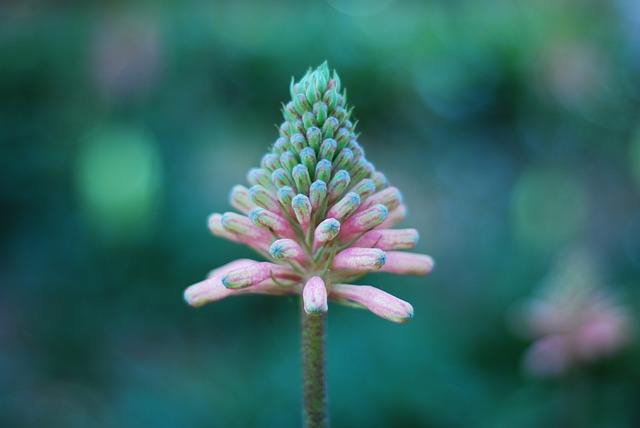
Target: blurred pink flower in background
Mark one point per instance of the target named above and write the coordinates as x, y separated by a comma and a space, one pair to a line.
573, 320
127, 55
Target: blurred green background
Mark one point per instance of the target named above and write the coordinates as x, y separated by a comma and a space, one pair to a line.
512, 129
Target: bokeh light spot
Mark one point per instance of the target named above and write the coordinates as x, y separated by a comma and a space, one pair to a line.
549, 209
118, 175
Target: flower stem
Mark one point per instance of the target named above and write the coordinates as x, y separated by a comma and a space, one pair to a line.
314, 380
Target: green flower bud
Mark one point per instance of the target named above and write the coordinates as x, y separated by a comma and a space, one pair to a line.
323, 170
330, 127
317, 193
281, 178
288, 160
320, 110
301, 178
297, 142
308, 120
259, 176
338, 184
314, 137
301, 104
328, 149
270, 162
308, 158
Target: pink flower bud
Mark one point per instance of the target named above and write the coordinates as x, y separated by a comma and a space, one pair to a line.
377, 301
302, 208
301, 178
264, 198
389, 239
389, 197
345, 206
402, 263
244, 229
317, 193
215, 226
323, 170
338, 184
247, 276
363, 221
314, 296
359, 259
272, 221
325, 232
287, 249
240, 199
259, 176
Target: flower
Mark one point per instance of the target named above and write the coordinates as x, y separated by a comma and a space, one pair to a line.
318, 211
573, 321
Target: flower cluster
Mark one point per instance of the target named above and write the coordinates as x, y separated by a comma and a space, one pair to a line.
573, 320
319, 211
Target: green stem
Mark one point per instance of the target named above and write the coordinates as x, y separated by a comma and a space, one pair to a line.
314, 379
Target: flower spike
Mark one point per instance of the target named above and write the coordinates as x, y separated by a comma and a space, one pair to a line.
319, 211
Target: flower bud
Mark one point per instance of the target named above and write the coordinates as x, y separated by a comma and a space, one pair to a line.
302, 208
247, 276
340, 114
359, 259
338, 184
240, 199
270, 220
326, 231
342, 138
280, 145
285, 130
345, 206
259, 176
323, 170
301, 178
328, 149
317, 193
285, 194
377, 301
314, 296
263, 198
364, 188
281, 178
363, 221
314, 137
287, 249
244, 229
288, 160
320, 110
329, 127
344, 159
270, 162
212, 288
309, 120
389, 239
312, 94
308, 158
297, 142
395, 216
331, 99
290, 112
389, 197
214, 222
380, 180
301, 104
407, 263
356, 148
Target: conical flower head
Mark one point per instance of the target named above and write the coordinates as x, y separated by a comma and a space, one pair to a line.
318, 210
